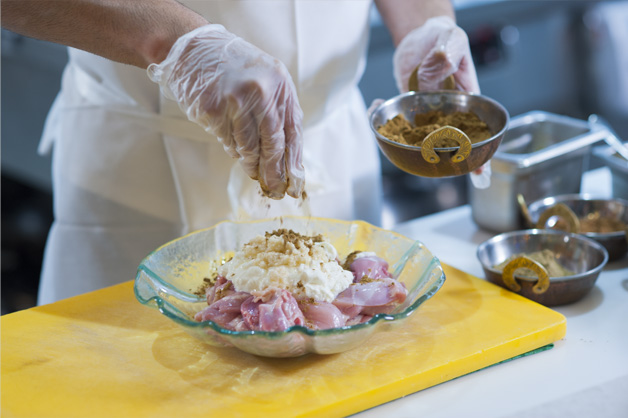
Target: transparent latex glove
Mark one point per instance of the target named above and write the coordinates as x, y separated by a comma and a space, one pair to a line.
481, 178
441, 48
243, 96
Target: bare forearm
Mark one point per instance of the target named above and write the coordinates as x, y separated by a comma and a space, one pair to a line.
402, 16
136, 32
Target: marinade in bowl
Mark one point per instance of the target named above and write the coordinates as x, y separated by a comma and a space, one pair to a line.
170, 277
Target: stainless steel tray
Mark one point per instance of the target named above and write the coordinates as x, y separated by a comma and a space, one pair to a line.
542, 154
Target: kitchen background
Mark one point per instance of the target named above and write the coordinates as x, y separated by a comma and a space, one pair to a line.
564, 57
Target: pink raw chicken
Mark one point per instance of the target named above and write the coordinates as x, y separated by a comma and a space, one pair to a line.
371, 297
322, 315
371, 266
226, 312
275, 310
373, 291
219, 290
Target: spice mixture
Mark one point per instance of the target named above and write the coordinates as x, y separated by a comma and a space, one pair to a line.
597, 224
399, 129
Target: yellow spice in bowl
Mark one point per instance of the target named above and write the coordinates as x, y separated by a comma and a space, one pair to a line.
399, 129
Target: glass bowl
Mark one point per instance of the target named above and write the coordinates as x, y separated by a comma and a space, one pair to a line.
168, 278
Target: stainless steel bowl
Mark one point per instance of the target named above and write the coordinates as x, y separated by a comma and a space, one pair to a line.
575, 252
582, 205
410, 159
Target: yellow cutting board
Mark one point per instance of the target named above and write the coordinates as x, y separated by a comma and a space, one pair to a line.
104, 354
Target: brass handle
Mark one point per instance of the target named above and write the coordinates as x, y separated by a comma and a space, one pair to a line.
446, 132
563, 212
413, 81
542, 283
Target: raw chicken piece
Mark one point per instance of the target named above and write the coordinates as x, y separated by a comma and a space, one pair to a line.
377, 296
373, 291
322, 315
358, 319
225, 312
370, 266
274, 310
348, 309
221, 288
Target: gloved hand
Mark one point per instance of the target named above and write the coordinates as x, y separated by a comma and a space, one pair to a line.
441, 48
243, 96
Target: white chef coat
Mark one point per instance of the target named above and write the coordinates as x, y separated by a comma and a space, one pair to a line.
130, 172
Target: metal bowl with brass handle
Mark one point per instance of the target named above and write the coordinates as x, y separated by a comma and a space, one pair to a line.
571, 223
583, 256
438, 160
572, 211
567, 220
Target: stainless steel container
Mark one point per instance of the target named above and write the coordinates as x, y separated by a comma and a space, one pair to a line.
618, 167
542, 154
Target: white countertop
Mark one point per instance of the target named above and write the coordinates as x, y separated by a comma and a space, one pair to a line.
584, 375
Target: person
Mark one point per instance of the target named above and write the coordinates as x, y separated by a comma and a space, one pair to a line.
173, 116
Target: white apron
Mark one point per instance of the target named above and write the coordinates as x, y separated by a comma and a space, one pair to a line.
130, 172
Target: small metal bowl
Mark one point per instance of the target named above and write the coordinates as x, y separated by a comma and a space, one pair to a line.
447, 161
581, 205
575, 252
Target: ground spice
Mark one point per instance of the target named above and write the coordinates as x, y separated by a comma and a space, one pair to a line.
350, 259
597, 224
222, 292
298, 240
399, 129
207, 282
211, 279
